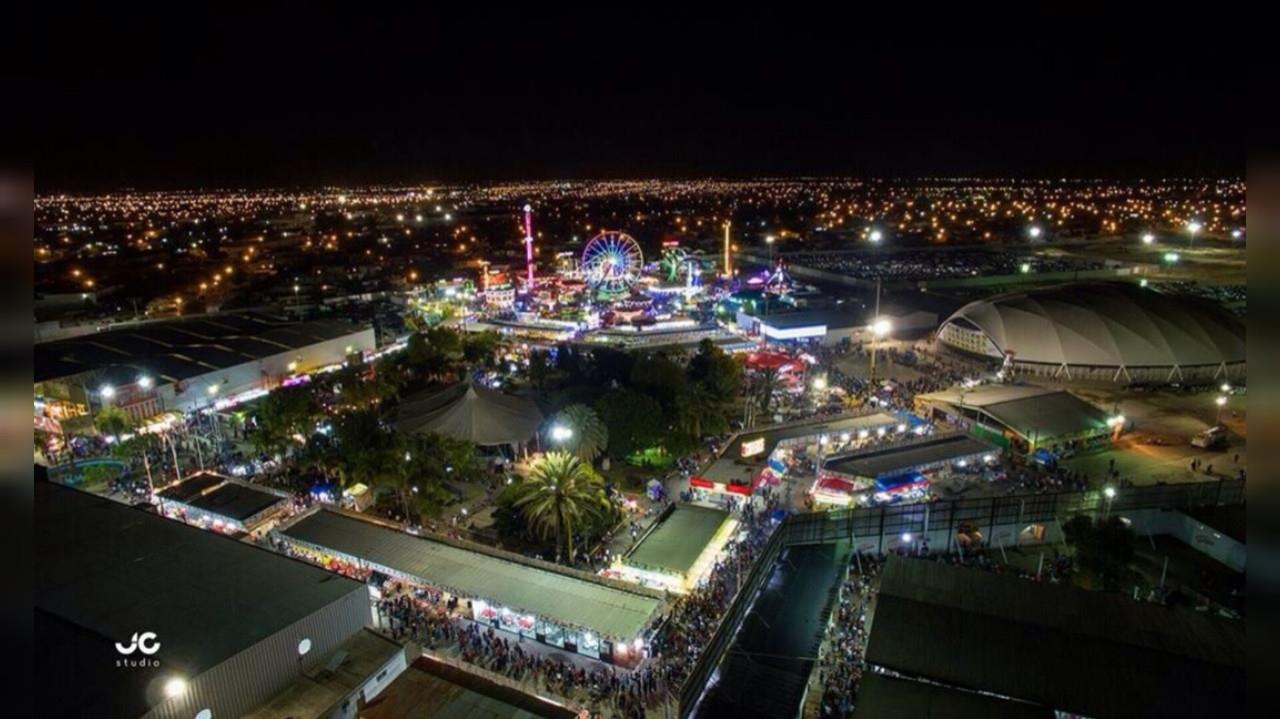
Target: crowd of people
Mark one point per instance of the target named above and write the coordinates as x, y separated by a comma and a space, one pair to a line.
438, 623
841, 659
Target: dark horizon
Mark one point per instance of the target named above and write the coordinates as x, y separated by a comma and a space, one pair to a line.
288, 97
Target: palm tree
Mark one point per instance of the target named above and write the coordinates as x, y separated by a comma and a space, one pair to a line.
590, 435
768, 383
559, 494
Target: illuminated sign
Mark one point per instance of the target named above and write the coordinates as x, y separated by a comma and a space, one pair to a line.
752, 447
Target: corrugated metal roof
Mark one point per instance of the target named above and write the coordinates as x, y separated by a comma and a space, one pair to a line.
114, 570
179, 349
556, 597
886, 461
1091, 653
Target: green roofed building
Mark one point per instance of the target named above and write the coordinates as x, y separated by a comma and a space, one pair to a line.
568, 609
1021, 417
681, 545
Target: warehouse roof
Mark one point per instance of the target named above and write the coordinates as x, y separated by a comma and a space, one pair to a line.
880, 696
236, 501
679, 539
808, 429
180, 349
105, 571
1029, 411
887, 461
1002, 634
561, 598
191, 487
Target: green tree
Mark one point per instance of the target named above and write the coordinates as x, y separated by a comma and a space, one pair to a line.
560, 495
699, 413
112, 421
1104, 547
716, 370
480, 349
766, 387
590, 435
634, 421
539, 369
282, 414
659, 377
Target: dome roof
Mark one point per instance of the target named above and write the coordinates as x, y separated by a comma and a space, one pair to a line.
1108, 324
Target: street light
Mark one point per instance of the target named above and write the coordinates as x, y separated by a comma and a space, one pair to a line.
144, 382
561, 433
880, 327
106, 391
1226, 387
1110, 493
820, 383
1221, 401
1148, 238
1035, 231
876, 236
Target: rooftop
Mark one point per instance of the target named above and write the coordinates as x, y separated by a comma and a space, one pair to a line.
679, 540
320, 689
180, 349
236, 501
880, 696
561, 598
105, 571
997, 633
1030, 411
885, 461
831, 426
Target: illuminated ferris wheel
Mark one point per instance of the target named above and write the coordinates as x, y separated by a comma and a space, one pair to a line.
611, 262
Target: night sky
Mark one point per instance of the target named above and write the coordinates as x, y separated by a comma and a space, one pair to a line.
175, 97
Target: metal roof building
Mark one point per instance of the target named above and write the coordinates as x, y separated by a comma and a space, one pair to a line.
1112, 331
190, 362
229, 619
558, 597
1034, 415
922, 455
1089, 653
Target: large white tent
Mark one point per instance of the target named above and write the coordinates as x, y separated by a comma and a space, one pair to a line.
1102, 330
468, 411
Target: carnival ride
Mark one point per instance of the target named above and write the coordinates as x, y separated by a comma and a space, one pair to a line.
612, 262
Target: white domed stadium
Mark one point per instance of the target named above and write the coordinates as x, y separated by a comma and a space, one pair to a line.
1109, 331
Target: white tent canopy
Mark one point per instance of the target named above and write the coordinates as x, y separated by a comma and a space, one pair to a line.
470, 412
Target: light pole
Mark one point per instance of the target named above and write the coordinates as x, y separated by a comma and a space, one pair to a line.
1110, 493
880, 327
1193, 227
1221, 401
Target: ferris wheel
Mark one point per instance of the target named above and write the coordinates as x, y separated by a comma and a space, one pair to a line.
611, 262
